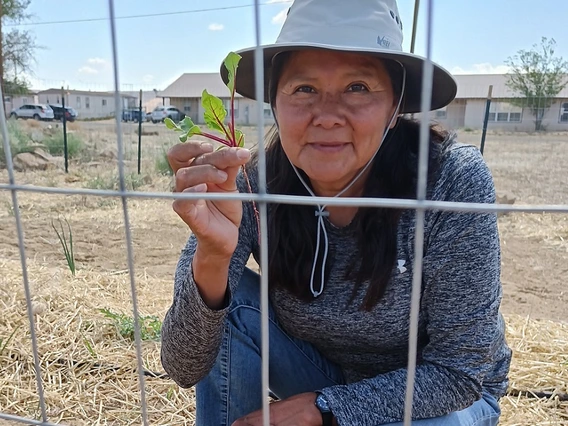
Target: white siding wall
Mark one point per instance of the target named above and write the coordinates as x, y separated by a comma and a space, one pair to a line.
475, 113
87, 106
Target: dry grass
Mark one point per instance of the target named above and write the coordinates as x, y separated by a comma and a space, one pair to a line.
89, 370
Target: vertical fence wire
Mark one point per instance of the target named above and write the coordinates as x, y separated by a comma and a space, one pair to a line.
20, 230
426, 100
127, 231
263, 212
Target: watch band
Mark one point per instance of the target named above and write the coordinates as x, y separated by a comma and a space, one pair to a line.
323, 407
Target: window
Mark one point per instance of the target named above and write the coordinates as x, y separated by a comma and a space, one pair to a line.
564, 112
104, 102
441, 114
267, 111
25, 100
187, 108
504, 112
78, 103
47, 101
87, 102
57, 102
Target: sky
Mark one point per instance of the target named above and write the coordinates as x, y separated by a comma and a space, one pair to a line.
469, 36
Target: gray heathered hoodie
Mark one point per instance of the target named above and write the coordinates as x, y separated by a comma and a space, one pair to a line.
462, 348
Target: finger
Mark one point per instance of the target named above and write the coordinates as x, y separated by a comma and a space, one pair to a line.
182, 154
188, 177
224, 158
186, 209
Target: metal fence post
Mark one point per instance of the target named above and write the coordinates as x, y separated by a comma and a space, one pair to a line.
486, 119
140, 132
65, 151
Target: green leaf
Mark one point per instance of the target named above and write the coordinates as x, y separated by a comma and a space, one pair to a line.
186, 124
215, 112
231, 63
240, 137
183, 138
170, 124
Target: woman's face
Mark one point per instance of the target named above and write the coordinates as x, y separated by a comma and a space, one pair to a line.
332, 110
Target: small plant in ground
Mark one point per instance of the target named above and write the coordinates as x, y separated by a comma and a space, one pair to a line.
4, 343
468, 130
55, 145
66, 244
150, 325
214, 116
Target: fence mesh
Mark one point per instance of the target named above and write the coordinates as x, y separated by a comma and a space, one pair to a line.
141, 164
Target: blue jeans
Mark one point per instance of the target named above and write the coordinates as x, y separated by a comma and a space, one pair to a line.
233, 387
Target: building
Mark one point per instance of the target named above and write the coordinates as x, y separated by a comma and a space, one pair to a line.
12, 102
466, 111
185, 94
88, 104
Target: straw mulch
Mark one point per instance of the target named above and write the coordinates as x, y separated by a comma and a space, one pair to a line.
89, 370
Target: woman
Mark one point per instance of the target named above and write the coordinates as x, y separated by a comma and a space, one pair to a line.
340, 277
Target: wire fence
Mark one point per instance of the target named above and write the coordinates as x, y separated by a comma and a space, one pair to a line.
152, 151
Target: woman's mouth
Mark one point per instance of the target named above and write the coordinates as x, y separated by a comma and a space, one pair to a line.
329, 147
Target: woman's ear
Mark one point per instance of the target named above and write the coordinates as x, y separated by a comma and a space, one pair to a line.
394, 122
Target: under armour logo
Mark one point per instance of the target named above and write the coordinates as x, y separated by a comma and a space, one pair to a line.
401, 267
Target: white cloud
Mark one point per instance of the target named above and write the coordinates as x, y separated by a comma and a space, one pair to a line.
483, 68
148, 78
278, 1
96, 61
88, 70
216, 27
280, 17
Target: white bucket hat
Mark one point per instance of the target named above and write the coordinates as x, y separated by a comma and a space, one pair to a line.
363, 26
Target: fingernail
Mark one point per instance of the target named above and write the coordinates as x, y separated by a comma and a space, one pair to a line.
207, 147
202, 187
243, 153
222, 174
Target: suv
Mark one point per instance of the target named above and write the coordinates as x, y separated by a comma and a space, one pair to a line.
163, 112
35, 111
70, 113
133, 115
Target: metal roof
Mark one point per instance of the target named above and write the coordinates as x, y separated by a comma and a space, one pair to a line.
470, 86
81, 92
191, 85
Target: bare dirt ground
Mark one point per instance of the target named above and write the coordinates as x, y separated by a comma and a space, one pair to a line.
531, 169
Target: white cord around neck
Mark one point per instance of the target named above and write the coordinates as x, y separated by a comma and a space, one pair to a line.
321, 212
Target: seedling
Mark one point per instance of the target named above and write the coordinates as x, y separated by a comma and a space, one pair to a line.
214, 116
66, 244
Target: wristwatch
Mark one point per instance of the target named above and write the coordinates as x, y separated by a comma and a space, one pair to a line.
323, 406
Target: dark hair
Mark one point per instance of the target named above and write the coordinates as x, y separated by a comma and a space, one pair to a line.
292, 228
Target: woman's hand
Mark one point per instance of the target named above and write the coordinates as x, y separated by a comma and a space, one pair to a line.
197, 168
298, 410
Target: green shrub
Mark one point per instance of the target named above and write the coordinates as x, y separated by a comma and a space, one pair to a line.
132, 181
55, 144
162, 165
19, 141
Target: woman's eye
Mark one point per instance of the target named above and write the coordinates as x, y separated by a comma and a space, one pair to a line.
358, 88
305, 89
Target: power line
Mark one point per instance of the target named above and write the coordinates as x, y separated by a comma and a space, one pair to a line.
151, 15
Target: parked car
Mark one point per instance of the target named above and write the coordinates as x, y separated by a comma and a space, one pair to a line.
149, 116
35, 111
163, 112
70, 113
132, 115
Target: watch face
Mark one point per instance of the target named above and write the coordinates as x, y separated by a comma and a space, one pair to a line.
322, 404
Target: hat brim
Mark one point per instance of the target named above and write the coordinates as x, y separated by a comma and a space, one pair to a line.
444, 87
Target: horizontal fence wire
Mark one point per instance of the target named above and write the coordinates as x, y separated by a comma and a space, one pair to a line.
262, 198
396, 203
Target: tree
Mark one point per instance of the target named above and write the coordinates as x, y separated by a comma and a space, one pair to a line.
537, 76
16, 47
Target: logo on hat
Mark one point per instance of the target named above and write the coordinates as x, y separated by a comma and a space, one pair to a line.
384, 42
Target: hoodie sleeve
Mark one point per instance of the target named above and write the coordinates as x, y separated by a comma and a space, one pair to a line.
191, 331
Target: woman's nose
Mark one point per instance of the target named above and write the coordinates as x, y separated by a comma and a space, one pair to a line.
328, 111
